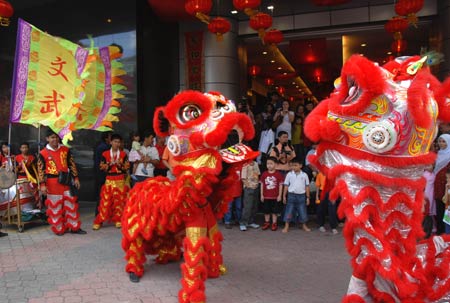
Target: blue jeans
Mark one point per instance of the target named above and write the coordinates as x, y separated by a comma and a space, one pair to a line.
447, 228
296, 203
238, 210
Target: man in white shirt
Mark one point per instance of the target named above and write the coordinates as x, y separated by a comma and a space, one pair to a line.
149, 159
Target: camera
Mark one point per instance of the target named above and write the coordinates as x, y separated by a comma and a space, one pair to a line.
283, 150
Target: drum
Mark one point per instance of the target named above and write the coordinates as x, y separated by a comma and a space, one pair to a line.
26, 197
7, 178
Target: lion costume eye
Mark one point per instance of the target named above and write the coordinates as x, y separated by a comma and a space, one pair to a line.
227, 108
190, 112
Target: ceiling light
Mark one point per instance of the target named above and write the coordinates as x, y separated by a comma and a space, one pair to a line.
272, 61
264, 53
389, 53
362, 55
363, 44
293, 83
270, 7
108, 20
296, 86
285, 73
279, 67
234, 12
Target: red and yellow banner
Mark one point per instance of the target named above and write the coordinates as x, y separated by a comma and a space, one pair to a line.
195, 76
61, 85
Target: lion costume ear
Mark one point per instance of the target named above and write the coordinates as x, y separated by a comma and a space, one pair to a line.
160, 123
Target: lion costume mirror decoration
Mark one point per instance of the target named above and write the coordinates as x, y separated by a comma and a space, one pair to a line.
374, 135
161, 216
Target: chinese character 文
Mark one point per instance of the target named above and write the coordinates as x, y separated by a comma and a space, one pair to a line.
51, 103
58, 71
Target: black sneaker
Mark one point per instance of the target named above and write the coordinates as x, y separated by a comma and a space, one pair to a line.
2, 234
134, 278
79, 232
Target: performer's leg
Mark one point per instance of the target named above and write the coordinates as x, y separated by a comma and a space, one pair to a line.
54, 204
194, 271
118, 203
103, 207
135, 257
215, 259
71, 214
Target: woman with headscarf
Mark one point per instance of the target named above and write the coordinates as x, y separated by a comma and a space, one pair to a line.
441, 166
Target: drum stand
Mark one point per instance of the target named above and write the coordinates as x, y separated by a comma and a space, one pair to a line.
20, 225
17, 217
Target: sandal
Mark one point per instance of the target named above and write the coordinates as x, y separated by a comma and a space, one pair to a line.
266, 225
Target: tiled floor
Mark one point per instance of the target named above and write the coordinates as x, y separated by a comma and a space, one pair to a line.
263, 266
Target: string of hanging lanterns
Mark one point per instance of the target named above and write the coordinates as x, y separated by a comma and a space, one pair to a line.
201, 9
406, 11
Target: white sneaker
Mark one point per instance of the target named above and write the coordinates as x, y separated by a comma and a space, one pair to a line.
242, 227
334, 231
322, 229
254, 225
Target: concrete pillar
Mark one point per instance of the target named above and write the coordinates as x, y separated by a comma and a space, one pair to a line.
221, 66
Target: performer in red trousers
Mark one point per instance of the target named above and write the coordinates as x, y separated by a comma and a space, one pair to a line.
115, 190
56, 170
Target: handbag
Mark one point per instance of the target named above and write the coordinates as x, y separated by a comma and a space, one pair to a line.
64, 178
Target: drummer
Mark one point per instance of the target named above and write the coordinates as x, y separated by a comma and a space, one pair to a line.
4, 154
24, 160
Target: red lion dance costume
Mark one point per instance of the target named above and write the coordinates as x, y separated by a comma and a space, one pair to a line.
160, 213
375, 132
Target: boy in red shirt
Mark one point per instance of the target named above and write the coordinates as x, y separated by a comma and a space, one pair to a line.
24, 160
271, 190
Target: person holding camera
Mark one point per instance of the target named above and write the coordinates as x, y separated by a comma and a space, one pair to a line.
56, 172
283, 118
243, 107
283, 152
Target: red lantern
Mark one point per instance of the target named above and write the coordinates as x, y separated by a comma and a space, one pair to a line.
281, 90
219, 26
409, 8
6, 12
199, 8
397, 25
260, 22
398, 46
254, 70
268, 81
329, 2
291, 99
273, 36
247, 6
